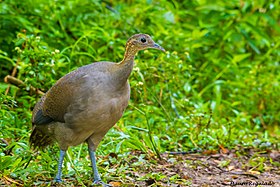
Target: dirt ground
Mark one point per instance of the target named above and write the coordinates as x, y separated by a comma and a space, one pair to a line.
226, 168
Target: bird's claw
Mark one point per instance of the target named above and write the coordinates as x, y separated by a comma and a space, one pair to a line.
58, 180
100, 182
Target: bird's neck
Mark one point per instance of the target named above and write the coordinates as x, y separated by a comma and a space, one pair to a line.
126, 65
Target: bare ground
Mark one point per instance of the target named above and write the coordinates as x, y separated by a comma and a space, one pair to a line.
226, 168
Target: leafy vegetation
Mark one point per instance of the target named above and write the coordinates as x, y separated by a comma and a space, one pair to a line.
216, 86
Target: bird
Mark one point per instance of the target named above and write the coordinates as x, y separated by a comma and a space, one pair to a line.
85, 103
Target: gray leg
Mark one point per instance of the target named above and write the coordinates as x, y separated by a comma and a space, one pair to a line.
60, 162
97, 179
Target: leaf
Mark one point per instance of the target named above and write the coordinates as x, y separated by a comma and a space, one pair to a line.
115, 184
240, 57
211, 7
250, 41
223, 149
169, 16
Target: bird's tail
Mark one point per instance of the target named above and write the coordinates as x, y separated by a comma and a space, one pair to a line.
39, 140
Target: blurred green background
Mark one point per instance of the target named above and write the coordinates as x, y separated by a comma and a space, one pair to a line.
217, 84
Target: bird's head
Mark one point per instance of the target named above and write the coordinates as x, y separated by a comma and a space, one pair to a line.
142, 41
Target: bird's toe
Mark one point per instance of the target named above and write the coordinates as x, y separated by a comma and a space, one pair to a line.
58, 180
100, 183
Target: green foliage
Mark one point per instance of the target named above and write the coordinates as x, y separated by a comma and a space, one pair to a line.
35, 59
218, 83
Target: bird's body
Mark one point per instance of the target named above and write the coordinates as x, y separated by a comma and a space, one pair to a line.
80, 111
84, 104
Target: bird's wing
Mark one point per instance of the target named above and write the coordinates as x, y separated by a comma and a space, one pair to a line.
53, 105
37, 114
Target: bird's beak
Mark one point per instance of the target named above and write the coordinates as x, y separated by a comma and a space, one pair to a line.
156, 46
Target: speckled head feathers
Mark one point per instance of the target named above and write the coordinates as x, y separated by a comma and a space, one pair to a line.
142, 41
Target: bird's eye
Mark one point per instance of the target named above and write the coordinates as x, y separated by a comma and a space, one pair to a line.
143, 40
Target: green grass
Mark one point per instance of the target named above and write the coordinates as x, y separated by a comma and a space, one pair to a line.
217, 84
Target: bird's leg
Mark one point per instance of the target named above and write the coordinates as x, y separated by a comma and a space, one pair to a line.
60, 162
97, 179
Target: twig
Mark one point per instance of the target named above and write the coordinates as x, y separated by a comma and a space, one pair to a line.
13, 74
9, 180
19, 83
182, 152
243, 173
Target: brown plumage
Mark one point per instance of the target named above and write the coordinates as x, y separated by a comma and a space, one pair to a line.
84, 104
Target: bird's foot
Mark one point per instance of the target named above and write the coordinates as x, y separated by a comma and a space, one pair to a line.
58, 180
100, 183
